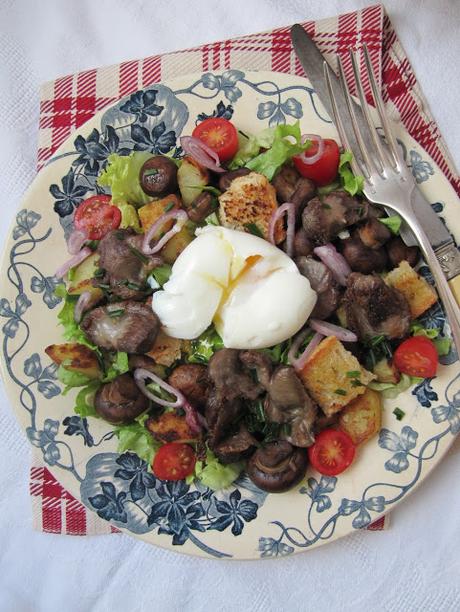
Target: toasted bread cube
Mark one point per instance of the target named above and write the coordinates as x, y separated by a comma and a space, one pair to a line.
250, 200
362, 418
417, 291
166, 350
170, 427
151, 212
333, 376
76, 358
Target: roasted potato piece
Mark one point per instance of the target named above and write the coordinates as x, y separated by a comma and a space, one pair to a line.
82, 276
75, 358
362, 418
166, 350
174, 247
191, 178
170, 427
151, 212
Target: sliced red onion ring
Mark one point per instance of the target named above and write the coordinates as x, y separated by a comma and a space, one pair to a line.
191, 415
201, 153
329, 329
299, 362
336, 262
82, 305
76, 241
180, 216
72, 262
308, 160
289, 209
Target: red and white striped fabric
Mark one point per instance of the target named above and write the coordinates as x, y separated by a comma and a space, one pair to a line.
70, 101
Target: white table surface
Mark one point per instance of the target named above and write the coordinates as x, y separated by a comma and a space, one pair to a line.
415, 565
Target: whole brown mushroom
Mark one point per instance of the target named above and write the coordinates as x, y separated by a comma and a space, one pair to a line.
158, 176
361, 258
277, 466
120, 401
192, 380
398, 252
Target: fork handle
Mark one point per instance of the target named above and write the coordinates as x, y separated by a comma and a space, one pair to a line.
447, 297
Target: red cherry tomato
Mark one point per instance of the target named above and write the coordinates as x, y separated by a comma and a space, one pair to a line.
219, 134
332, 452
417, 356
174, 461
96, 216
324, 170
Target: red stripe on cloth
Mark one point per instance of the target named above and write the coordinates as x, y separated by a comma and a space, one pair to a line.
227, 53
216, 56
347, 38
85, 101
310, 29
75, 515
52, 499
377, 525
151, 70
128, 78
281, 51
205, 57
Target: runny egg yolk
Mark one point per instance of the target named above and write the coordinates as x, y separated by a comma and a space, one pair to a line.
251, 290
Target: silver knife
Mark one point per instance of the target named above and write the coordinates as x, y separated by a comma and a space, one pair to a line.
442, 242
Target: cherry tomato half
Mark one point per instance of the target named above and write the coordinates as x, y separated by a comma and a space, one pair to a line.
96, 216
324, 170
332, 452
219, 134
174, 461
417, 356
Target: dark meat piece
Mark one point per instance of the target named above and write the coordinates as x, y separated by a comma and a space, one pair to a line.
221, 415
362, 259
191, 380
201, 207
125, 267
236, 447
278, 466
373, 308
288, 402
158, 176
321, 281
122, 326
324, 219
398, 252
285, 183
373, 233
305, 190
262, 364
120, 401
230, 380
226, 178
302, 243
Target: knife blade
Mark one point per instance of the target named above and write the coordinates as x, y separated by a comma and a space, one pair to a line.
312, 62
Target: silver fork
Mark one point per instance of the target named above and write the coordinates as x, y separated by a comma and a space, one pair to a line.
387, 180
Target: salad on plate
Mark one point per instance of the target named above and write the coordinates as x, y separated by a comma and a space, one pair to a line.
237, 304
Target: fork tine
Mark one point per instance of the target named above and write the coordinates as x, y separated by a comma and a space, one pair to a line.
355, 165
382, 159
366, 155
397, 162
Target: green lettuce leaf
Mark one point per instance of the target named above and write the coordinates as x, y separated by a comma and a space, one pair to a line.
417, 329
204, 347
84, 402
129, 217
65, 317
161, 274
392, 390
443, 346
351, 183
136, 438
393, 223
118, 366
212, 219
71, 379
282, 149
122, 176
213, 474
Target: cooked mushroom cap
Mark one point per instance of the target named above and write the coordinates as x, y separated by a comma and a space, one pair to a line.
120, 401
192, 380
226, 178
158, 176
201, 207
398, 252
122, 326
321, 281
361, 258
277, 467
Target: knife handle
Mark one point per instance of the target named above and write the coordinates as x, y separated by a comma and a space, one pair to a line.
454, 284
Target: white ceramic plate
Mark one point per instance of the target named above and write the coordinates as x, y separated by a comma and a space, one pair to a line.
242, 522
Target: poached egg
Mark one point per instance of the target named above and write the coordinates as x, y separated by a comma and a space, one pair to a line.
251, 290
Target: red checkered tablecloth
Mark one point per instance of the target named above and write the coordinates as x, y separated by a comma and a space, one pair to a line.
70, 101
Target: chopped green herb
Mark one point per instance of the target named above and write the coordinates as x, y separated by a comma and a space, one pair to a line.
103, 286
138, 254
133, 286
253, 229
399, 414
353, 373
92, 244
325, 206
356, 383
120, 235
212, 190
117, 312
150, 172
212, 219
328, 188
169, 206
340, 392
99, 273
161, 274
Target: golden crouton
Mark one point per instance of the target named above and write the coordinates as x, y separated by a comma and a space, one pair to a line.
249, 203
362, 418
170, 427
151, 212
417, 291
166, 350
333, 376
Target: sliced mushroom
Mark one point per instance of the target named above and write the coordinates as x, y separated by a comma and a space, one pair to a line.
254, 360
277, 467
120, 401
201, 207
226, 178
323, 282
374, 234
398, 252
158, 176
235, 447
285, 182
303, 246
304, 191
229, 378
122, 326
192, 380
361, 258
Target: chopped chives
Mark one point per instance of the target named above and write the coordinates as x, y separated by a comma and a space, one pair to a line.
353, 373
340, 392
399, 414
